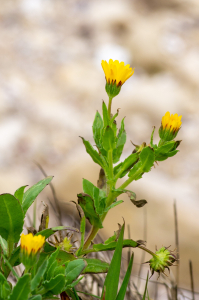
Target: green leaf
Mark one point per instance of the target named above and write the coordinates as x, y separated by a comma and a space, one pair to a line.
39, 275
74, 269
151, 142
64, 257
123, 168
105, 114
113, 205
112, 245
145, 164
145, 290
36, 297
22, 288
112, 279
5, 288
49, 231
108, 139
82, 230
12, 218
162, 157
97, 129
93, 153
55, 285
95, 266
122, 291
50, 271
3, 245
87, 204
31, 194
19, 193
164, 149
121, 140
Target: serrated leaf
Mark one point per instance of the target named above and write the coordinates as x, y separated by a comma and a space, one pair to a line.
95, 266
122, 291
96, 194
164, 149
39, 275
145, 163
108, 139
121, 140
22, 288
19, 193
93, 153
55, 285
97, 128
87, 204
12, 218
74, 269
31, 194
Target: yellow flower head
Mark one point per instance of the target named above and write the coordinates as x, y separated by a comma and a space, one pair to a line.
31, 244
116, 72
171, 122
170, 126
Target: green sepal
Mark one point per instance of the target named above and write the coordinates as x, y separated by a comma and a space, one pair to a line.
95, 266
22, 288
108, 139
87, 204
112, 89
93, 153
147, 158
31, 194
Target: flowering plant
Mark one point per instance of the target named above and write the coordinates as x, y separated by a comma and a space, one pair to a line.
56, 270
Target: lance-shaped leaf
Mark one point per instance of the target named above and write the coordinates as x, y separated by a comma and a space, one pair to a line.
74, 269
112, 279
145, 290
87, 204
55, 285
36, 297
93, 153
21, 289
122, 291
95, 266
121, 140
31, 194
19, 193
12, 218
123, 168
112, 245
97, 129
145, 163
5, 288
39, 275
3, 245
105, 114
108, 139
166, 150
50, 231
82, 230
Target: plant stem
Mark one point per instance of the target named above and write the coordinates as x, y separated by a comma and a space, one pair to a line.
109, 107
127, 182
91, 236
147, 250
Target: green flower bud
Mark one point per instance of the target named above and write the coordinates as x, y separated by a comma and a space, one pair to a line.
161, 259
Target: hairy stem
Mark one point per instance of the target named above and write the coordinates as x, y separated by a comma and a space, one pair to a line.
109, 107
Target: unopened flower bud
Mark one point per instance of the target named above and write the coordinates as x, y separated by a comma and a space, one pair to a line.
170, 126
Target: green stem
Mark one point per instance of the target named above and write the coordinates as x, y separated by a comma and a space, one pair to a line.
147, 250
127, 182
109, 107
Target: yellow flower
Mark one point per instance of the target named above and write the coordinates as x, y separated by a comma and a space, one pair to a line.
31, 244
116, 72
170, 126
171, 122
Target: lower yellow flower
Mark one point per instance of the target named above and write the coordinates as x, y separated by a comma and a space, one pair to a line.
30, 248
170, 126
31, 244
116, 74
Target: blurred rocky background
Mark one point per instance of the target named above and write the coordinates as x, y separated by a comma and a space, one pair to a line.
52, 83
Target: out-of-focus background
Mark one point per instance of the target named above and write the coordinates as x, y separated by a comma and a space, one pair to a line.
52, 83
